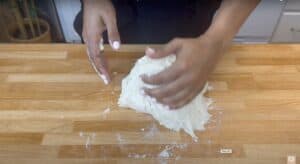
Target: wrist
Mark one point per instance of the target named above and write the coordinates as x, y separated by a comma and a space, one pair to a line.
219, 37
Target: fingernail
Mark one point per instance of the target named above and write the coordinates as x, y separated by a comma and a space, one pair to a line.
104, 79
101, 46
149, 51
115, 45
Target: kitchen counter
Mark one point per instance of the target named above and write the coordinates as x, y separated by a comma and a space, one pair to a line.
54, 109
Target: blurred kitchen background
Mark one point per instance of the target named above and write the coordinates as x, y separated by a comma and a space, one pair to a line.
33, 21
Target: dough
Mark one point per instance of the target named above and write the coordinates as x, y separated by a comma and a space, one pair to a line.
192, 116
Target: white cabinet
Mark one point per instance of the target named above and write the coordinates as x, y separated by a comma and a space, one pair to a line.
288, 29
261, 23
293, 5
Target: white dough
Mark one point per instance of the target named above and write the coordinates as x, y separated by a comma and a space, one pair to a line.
192, 116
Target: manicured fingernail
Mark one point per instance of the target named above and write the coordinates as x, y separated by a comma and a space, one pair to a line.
101, 46
149, 51
115, 45
104, 79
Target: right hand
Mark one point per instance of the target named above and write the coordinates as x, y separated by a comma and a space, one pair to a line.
99, 15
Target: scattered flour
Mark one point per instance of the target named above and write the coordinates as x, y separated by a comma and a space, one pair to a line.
137, 156
153, 130
177, 158
120, 138
192, 116
165, 154
168, 151
210, 87
105, 113
89, 138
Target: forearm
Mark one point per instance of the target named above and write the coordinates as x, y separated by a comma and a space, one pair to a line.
229, 18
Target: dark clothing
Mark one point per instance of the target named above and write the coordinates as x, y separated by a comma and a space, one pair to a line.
159, 21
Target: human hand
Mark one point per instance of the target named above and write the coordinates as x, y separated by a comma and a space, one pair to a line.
185, 78
99, 15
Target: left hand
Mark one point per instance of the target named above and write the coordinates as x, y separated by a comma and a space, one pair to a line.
185, 79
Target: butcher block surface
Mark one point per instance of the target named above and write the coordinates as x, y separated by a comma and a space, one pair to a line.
55, 109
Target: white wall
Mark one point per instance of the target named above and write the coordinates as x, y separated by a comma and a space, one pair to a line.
262, 22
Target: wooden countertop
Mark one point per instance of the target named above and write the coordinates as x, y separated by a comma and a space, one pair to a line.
54, 109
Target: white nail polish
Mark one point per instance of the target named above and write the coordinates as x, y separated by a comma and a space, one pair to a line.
150, 51
104, 79
101, 46
116, 45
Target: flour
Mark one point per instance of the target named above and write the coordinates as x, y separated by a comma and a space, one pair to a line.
153, 130
105, 113
89, 139
137, 156
169, 150
192, 116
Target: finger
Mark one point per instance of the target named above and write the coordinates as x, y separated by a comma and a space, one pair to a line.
170, 48
112, 30
168, 75
84, 37
168, 90
184, 101
101, 63
149, 51
177, 97
97, 60
188, 99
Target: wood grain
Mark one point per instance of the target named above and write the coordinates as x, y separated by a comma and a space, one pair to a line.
52, 109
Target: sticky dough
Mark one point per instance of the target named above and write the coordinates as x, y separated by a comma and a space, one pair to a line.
191, 117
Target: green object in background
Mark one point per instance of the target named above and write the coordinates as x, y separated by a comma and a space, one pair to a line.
30, 13
19, 19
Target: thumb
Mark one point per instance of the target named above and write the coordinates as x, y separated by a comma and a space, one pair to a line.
170, 48
112, 31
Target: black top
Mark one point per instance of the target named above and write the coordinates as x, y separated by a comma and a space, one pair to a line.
158, 21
